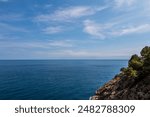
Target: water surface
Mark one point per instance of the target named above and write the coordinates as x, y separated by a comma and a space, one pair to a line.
55, 79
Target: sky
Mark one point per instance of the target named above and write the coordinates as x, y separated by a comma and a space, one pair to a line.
73, 29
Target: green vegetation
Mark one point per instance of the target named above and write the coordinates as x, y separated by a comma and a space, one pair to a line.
138, 66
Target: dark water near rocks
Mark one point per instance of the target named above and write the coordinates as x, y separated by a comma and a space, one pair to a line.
55, 79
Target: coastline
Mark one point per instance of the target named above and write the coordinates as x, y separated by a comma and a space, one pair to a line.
132, 83
124, 89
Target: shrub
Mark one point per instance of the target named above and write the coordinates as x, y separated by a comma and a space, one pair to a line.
145, 52
129, 72
135, 62
138, 66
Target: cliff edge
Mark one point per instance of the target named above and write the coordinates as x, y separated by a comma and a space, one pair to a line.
132, 83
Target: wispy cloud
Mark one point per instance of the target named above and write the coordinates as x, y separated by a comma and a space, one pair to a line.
93, 29
84, 54
9, 28
124, 3
81, 53
103, 31
67, 14
36, 44
53, 30
48, 6
135, 29
12, 16
65, 43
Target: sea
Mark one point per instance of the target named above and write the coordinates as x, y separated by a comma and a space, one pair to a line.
55, 79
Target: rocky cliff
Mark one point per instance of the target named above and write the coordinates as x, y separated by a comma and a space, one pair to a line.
124, 89
132, 83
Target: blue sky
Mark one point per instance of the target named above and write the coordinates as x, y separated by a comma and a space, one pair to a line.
73, 29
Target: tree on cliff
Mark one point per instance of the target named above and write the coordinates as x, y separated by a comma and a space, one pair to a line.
132, 83
138, 66
145, 53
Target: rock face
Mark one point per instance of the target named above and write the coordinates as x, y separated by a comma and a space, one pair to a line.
132, 83
124, 89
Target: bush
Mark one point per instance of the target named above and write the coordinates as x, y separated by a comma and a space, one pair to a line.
129, 72
145, 52
135, 62
138, 66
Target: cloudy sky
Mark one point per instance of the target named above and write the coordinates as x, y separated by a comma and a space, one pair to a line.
73, 29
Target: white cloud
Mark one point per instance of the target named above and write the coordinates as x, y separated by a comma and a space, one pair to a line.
124, 3
12, 16
53, 30
107, 30
67, 14
60, 43
48, 6
134, 29
9, 28
93, 29
37, 44
71, 54
81, 53
84, 54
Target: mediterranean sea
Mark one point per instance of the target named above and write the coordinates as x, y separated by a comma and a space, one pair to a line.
55, 79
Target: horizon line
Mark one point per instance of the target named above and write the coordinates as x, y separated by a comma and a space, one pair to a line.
69, 59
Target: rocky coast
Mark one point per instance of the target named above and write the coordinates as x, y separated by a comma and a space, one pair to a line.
132, 83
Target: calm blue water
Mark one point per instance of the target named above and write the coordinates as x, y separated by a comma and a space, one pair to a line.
55, 79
